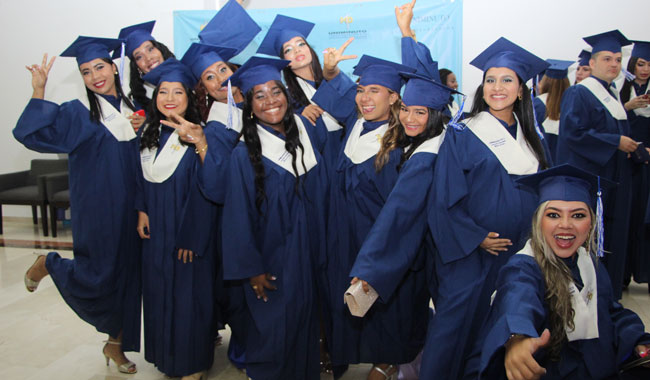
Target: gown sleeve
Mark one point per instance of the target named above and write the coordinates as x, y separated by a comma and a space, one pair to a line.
454, 230
518, 308
49, 128
583, 139
393, 243
417, 55
337, 97
212, 174
242, 256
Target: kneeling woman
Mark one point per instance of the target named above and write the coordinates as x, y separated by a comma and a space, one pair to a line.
274, 235
554, 301
102, 283
179, 248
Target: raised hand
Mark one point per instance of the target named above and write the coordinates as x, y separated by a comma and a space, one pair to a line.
332, 57
39, 76
519, 361
404, 16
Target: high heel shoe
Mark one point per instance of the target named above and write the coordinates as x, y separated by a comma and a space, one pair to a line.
30, 284
390, 369
128, 367
203, 375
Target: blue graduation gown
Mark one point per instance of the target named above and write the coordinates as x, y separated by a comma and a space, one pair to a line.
474, 195
102, 283
286, 240
520, 308
392, 259
178, 298
589, 140
638, 264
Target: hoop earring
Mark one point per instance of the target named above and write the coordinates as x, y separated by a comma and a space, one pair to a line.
519, 97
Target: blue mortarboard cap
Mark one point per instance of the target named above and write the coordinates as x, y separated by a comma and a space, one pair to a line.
85, 49
172, 70
425, 92
583, 58
503, 53
559, 68
566, 183
257, 70
231, 27
641, 49
379, 71
608, 41
134, 36
282, 30
200, 56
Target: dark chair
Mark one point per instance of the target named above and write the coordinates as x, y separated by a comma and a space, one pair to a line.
28, 188
58, 195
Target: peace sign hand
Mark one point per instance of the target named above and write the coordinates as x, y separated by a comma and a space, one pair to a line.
332, 57
39, 76
188, 132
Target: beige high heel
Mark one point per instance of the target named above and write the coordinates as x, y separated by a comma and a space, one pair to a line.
128, 367
203, 375
393, 374
30, 284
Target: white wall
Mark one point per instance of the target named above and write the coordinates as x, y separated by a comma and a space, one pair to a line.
548, 28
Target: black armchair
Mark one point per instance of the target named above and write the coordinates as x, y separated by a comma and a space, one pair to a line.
28, 188
58, 195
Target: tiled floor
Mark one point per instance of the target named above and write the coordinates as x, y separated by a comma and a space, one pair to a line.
41, 338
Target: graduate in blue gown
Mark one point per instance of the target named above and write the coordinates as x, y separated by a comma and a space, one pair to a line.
554, 315
583, 70
399, 242
177, 225
595, 137
552, 87
287, 39
635, 99
479, 213
102, 283
362, 179
274, 226
144, 53
232, 29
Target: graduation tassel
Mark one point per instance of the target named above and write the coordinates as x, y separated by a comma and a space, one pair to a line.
600, 230
454, 121
628, 75
231, 105
122, 63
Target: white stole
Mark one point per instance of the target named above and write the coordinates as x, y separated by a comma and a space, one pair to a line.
115, 121
159, 169
453, 108
149, 89
330, 122
219, 112
515, 155
550, 126
432, 145
583, 302
360, 148
273, 149
645, 111
612, 104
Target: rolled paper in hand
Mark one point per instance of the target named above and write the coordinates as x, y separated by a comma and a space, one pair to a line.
358, 301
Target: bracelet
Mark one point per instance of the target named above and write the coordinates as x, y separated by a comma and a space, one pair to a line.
199, 151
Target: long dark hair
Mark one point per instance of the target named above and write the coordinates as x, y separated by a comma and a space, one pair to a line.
203, 99
523, 108
296, 93
555, 88
151, 134
254, 146
138, 92
95, 110
627, 86
434, 127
